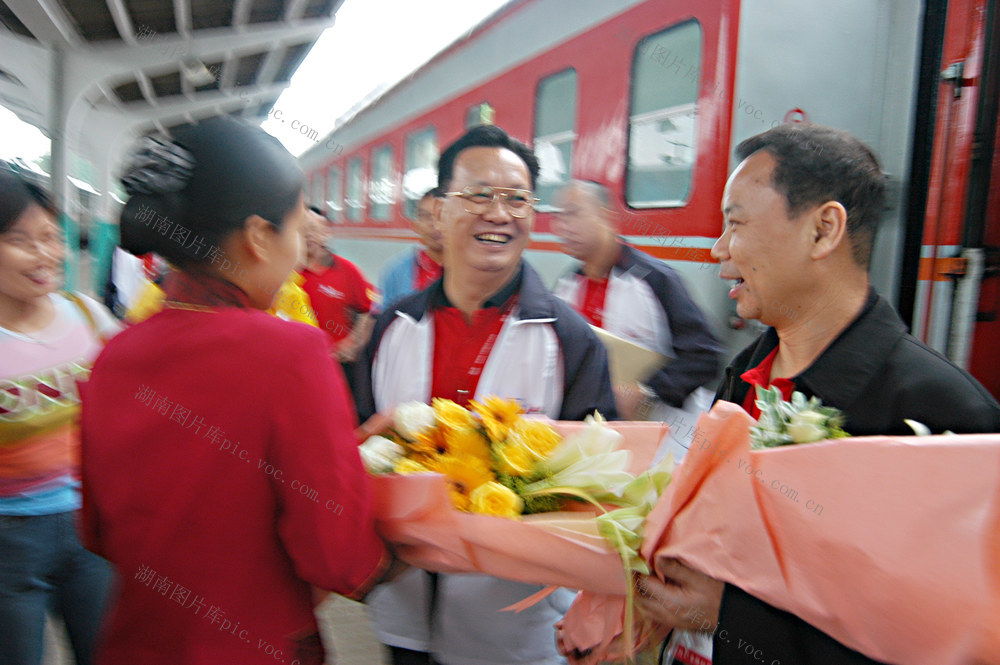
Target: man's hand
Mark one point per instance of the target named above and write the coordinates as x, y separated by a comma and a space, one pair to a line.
348, 350
689, 600
631, 401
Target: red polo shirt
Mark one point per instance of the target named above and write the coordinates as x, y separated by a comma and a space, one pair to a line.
462, 347
428, 271
337, 293
761, 376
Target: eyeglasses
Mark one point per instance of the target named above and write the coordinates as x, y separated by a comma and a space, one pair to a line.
518, 202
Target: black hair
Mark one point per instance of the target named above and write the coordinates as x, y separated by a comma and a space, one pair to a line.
239, 170
816, 164
484, 136
432, 193
17, 195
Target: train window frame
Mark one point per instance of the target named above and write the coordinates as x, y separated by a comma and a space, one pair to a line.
410, 202
376, 210
334, 200
572, 134
362, 197
678, 110
317, 185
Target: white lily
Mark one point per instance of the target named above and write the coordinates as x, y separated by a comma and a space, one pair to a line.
596, 438
411, 418
380, 454
602, 477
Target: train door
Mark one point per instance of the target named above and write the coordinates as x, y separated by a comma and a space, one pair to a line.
958, 292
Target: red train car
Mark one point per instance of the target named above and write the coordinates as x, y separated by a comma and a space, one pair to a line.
651, 96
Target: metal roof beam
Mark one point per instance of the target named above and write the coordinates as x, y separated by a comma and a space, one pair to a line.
118, 60
47, 21
123, 21
182, 17
208, 100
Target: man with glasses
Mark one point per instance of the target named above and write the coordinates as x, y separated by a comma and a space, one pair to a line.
415, 270
488, 327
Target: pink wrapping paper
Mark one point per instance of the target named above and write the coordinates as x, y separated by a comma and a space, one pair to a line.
563, 549
891, 545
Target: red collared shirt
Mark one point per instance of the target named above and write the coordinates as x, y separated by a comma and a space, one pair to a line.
428, 271
591, 300
761, 376
337, 293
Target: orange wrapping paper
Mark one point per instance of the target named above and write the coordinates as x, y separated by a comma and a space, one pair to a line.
891, 545
415, 514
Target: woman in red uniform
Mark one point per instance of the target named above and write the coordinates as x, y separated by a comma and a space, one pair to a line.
220, 473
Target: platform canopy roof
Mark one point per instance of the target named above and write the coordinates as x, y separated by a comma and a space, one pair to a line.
96, 73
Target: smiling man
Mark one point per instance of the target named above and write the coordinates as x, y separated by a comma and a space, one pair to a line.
488, 327
800, 214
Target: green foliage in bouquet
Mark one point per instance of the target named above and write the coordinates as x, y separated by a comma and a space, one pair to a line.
801, 420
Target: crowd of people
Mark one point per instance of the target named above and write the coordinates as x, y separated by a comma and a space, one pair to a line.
181, 459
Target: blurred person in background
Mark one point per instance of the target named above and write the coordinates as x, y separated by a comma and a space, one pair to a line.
339, 294
488, 327
416, 269
641, 299
220, 470
48, 341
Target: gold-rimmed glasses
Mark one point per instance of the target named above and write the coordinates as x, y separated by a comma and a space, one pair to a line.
478, 199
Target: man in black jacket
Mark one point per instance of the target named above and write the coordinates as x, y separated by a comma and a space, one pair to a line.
800, 213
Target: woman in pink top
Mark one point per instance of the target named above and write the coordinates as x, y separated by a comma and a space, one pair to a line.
47, 341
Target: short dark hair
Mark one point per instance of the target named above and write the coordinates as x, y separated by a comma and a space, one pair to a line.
816, 164
17, 194
484, 136
432, 193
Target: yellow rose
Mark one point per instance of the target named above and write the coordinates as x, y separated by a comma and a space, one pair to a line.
492, 498
514, 459
536, 436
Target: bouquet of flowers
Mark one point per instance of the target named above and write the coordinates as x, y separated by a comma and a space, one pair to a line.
818, 530
444, 474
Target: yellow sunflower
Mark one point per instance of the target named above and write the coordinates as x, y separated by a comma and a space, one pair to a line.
498, 415
430, 442
464, 475
467, 442
451, 416
536, 436
407, 466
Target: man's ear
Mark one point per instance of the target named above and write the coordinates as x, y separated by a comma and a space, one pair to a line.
437, 224
829, 229
256, 236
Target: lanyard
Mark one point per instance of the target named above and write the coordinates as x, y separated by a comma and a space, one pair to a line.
476, 369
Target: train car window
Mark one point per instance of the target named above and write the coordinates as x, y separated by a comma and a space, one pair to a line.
661, 146
382, 188
334, 203
555, 124
318, 187
419, 169
355, 202
479, 114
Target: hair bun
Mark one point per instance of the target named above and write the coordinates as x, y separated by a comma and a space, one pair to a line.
158, 167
